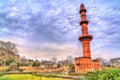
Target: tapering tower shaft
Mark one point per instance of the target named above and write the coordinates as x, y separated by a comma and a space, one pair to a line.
85, 38
85, 63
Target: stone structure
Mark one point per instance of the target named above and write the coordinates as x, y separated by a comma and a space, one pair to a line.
85, 64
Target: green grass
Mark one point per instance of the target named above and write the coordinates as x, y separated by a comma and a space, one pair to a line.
26, 77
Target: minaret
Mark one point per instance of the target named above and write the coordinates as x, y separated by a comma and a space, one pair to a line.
85, 38
85, 63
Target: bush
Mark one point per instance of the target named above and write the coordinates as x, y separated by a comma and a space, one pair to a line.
108, 74
20, 70
8, 69
10, 60
1, 74
36, 63
14, 66
71, 68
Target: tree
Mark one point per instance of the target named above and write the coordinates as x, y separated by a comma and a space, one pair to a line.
103, 62
54, 60
24, 61
71, 68
14, 66
9, 60
36, 63
70, 59
7, 49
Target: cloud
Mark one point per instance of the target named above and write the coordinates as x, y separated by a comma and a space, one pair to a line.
35, 24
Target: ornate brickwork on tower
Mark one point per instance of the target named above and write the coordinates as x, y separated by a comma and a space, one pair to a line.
85, 64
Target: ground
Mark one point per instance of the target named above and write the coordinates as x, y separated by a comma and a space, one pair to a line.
26, 77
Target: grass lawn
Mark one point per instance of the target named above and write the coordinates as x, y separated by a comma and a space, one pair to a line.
26, 77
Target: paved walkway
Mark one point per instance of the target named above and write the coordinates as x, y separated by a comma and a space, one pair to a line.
71, 77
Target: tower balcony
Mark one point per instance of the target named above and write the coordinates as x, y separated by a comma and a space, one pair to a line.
84, 21
82, 10
88, 37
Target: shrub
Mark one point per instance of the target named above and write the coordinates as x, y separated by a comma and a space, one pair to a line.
1, 74
71, 68
8, 69
14, 66
108, 74
36, 63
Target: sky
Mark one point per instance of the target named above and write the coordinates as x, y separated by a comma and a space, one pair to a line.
43, 29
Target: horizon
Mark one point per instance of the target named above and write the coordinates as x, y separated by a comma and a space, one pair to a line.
45, 29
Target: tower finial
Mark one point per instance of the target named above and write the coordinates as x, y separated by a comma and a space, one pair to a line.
82, 6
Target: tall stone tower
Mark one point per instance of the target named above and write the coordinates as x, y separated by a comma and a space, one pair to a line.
85, 38
85, 64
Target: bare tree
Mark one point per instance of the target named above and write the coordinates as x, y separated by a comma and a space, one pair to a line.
7, 48
70, 59
103, 62
54, 60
